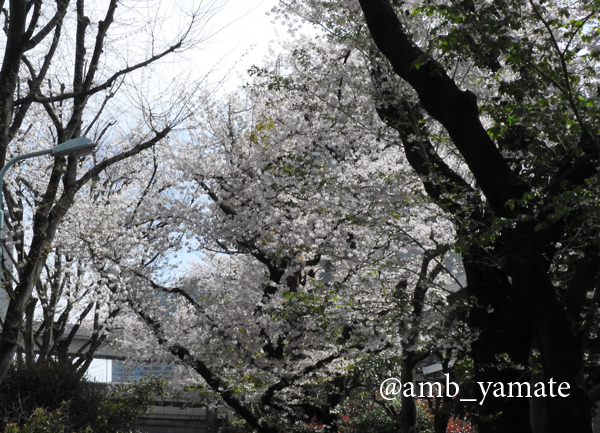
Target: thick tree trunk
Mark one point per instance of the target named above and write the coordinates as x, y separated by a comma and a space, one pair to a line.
503, 328
558, 339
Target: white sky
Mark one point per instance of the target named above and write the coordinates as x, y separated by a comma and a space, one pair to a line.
244, 35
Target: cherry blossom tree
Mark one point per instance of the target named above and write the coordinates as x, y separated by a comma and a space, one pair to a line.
494, 104
70, 69
314, 255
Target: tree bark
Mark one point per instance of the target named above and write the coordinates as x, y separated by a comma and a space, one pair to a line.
407, 418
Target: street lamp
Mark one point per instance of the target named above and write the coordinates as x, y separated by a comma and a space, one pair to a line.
77, 147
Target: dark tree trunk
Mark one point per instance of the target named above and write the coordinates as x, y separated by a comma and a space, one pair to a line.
407, 419
499, 333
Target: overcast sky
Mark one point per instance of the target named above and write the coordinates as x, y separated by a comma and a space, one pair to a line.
243, 37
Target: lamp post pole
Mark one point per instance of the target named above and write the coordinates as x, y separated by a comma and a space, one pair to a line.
78, 147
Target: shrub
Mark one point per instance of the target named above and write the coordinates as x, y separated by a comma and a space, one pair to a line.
50, 398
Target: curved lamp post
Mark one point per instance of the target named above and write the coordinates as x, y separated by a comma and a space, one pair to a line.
77, 147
